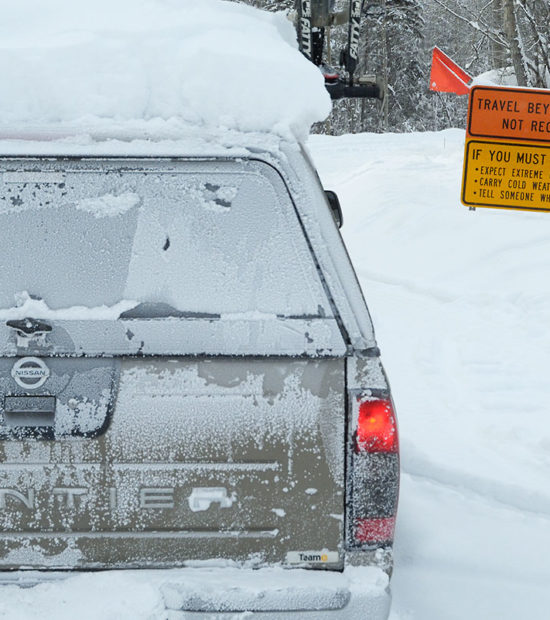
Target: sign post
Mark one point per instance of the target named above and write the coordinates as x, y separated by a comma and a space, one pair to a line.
507, 152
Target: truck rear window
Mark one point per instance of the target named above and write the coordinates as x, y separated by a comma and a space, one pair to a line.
174, 237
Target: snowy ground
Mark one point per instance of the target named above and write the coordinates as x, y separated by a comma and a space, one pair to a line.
461, 306
460, 300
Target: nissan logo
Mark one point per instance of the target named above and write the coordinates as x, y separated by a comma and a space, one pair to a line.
30, 373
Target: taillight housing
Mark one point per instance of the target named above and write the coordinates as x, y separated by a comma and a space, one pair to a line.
376, 429
374, 531
373, 480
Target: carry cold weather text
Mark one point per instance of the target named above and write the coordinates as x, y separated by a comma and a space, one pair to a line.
507, 152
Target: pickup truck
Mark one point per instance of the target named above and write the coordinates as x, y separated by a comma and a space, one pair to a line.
189, 379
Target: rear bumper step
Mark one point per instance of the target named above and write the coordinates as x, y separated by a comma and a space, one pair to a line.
274, 592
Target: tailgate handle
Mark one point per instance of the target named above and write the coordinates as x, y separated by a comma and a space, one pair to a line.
29, 411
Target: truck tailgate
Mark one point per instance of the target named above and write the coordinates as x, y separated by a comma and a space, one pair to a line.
175, 459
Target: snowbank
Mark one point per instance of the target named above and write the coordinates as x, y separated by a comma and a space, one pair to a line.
496, 77
148, 67
461, 308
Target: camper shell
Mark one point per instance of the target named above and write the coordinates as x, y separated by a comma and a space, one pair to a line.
187, 365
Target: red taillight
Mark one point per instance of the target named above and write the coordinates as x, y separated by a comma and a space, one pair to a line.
374, 530
376, 427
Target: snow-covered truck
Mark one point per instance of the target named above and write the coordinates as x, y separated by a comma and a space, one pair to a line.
189, 375
189, 378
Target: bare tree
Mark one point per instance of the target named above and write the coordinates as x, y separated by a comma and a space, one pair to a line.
517, 32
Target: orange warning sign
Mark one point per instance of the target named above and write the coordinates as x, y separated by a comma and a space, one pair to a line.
507, 175
507, 151
509, 113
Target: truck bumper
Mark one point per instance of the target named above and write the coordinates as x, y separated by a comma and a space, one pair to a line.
231, 593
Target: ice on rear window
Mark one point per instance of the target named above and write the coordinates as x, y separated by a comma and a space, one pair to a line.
108, 204
211, 240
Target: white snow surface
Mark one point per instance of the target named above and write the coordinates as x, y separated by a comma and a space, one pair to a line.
496, 77
109, 205
150, 595
461, 307
27, 306
157, 68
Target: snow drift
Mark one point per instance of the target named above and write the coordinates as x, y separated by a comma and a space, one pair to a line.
461, 307
170, 64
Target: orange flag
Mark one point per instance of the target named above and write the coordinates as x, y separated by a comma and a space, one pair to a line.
446, 76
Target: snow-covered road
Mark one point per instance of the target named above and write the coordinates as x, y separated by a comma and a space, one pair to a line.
461, 306
460, 299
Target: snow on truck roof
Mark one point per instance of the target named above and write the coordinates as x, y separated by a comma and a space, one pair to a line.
198, 71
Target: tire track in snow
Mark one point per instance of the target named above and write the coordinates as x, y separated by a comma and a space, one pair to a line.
512, 496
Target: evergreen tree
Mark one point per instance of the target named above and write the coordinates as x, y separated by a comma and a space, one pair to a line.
407, 73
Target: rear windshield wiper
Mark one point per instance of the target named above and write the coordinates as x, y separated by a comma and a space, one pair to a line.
152, 310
